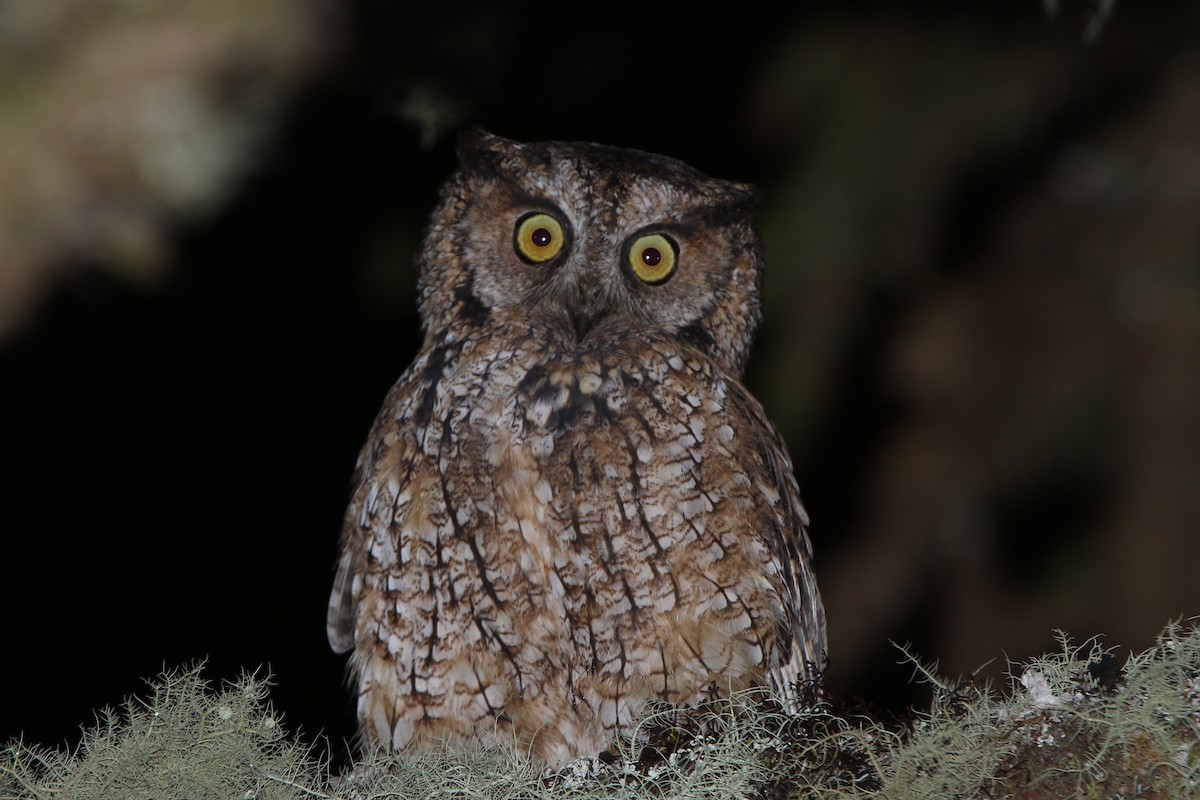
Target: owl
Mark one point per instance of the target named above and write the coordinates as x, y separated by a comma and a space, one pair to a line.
569, 505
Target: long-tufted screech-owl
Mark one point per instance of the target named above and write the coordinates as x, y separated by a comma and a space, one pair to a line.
569, 504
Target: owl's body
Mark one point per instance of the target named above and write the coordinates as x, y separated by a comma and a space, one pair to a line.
569, 504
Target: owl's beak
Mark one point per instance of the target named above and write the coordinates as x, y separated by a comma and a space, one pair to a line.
582, 321
587, 307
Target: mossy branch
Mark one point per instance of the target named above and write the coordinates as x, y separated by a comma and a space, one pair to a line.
1074, 722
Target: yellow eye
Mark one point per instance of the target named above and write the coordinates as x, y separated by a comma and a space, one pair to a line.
652, 257
539, 238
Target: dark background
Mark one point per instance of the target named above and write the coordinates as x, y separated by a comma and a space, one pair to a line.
982, 335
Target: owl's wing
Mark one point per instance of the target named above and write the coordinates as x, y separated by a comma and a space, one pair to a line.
804, 611
341, 614
339, 618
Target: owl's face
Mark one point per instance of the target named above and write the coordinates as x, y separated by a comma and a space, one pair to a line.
596, 242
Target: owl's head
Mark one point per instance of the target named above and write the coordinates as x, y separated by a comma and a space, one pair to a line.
596, 242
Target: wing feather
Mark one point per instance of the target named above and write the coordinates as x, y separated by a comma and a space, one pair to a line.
805, 655
339, 618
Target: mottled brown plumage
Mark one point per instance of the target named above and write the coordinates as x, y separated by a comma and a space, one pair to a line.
569, 504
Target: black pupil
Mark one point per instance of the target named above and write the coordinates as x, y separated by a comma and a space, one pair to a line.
541, 237
651, 257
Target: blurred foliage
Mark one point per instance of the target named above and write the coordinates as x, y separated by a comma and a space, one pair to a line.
1104, 10
120, 120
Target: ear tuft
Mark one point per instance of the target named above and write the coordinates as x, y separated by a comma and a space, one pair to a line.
746, 194
477, 146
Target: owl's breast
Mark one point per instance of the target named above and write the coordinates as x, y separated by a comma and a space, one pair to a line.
606, 513
623, 468
633, 458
